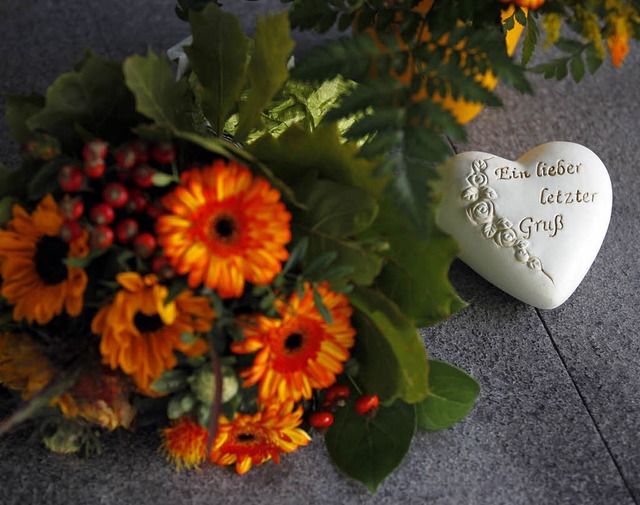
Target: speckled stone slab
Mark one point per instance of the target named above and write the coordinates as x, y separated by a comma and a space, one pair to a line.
533, 226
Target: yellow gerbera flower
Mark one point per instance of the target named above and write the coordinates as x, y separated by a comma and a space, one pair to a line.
140, 331
300, 350
35, 278
184, 443
253, 439
225, 227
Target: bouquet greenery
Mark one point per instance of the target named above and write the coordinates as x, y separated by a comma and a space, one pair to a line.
242, 256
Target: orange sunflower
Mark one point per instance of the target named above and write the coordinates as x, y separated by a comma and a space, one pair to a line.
140, 331
35, 278
184, 443
300, 350
253, 439
225, 227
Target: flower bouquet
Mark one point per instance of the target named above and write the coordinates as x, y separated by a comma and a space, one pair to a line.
242, 257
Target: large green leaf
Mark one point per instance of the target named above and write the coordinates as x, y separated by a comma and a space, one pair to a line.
335, 209
452, 394
267, 69
298, 152
370, 449
92, 97
218, 57
393, 361
415, 275
19, 110
158, 96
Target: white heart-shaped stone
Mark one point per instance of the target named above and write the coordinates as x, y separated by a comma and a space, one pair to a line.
532, 227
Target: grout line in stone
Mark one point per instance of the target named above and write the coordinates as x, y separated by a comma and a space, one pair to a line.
586, 406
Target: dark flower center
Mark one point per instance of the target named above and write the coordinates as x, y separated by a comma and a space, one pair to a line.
246, 437
147, 324
50, 253
293, 342
224, 228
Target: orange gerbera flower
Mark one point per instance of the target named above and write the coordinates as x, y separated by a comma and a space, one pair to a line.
525, 4
300, 350
185, 443
226, 227
140, 331
253, 439
35, 278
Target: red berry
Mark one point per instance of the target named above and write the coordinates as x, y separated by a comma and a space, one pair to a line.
126, 230
138, 201
102, 213
115, 194
164, 152
70, 177
321, 419
145, 244
72, 208
94, 150
367, 405
94, 168
143, 176
69, 231
126, 157
162, 268
101, 236
336, 396
141, 149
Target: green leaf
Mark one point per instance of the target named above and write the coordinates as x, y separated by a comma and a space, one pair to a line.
180, 404
267, 69
322, 308
577, 68
452, 394
45, 180
348, 252
298, 152
371, 449
393, 361
158, 96
415, 275
335, 209
170, 381
593, 59
6, 209
19, 110
218, 57
530, 39
12, 182
93, 97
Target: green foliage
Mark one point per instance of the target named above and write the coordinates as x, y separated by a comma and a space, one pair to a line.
452, 394
530, 38
92, 97
393, 362
415, 275
580, 56
267, 70
19, 110
370, 449
218, 57
158, 96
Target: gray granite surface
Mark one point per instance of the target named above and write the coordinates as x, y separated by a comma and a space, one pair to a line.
558, 418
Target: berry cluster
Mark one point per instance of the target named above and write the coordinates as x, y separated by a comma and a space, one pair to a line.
336, 397
110, 193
